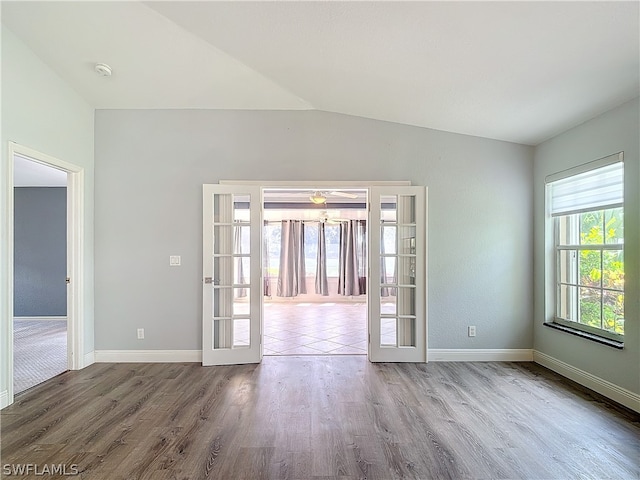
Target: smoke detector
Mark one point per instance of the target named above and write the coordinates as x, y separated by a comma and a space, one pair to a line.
103, 69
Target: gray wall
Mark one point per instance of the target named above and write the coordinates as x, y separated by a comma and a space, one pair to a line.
150, 167
614, 131
40, 252
42, 112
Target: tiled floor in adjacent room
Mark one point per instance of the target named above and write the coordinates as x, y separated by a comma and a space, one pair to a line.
315, 328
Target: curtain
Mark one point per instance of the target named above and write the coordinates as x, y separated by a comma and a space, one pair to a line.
237, 249
352, 279
291, 278
265, 263
322, 285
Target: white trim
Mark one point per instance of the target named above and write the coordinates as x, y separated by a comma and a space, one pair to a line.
7, 293
585, 167
480, 355
75, 258
41, 158
75, 267
39, 319
618, 394
426, 274
323, 185
89, 359
148, 356
4, 399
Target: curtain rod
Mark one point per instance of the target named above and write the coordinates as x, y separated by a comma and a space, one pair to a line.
304, 221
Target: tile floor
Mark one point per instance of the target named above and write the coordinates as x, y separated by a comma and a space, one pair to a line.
315, 328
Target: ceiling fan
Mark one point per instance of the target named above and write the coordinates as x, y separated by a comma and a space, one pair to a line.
325, 218
318, 197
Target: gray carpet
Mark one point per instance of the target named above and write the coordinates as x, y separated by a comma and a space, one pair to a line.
39, 351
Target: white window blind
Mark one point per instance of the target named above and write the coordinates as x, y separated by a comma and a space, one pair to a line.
595, 189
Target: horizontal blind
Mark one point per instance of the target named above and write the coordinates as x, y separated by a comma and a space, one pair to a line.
599, 188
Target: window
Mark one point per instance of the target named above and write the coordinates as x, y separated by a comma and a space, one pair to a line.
586, 205
332, 244
272, 234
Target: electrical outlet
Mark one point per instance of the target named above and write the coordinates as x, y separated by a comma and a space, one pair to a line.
472, 330
141, 334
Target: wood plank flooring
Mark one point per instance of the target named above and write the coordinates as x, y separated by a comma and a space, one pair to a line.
323, 417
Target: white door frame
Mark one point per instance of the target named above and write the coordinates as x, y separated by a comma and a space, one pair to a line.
75, 259
336, 185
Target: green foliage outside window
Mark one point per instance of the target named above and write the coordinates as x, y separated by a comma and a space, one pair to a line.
601, 271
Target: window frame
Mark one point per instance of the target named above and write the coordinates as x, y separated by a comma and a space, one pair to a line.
553, 261
578, 247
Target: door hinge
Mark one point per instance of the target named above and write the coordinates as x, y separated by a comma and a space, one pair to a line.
208, 280
68, 280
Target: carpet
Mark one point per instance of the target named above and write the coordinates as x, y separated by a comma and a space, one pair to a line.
39, 351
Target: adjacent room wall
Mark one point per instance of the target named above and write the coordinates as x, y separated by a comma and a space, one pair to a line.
150, 167
40, 252
40, 111
612, 132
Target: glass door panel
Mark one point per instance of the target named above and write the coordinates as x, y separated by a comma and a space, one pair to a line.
398, 278
231, 314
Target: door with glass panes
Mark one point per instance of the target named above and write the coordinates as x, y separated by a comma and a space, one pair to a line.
231, 290
397, 274
232, 277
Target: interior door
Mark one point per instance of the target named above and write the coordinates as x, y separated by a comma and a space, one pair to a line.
398, 274
231, 290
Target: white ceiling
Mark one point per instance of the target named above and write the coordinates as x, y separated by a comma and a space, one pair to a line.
514, 71
27, 173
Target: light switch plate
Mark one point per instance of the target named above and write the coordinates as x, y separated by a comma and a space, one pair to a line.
174, 260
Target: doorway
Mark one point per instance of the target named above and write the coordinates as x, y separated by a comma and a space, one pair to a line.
234, 283
315, 268
40, 334
73, 275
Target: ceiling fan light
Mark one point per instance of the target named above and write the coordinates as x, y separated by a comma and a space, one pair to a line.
318, 198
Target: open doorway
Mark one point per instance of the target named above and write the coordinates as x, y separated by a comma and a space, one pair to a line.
40, 329
236, 280
315, 269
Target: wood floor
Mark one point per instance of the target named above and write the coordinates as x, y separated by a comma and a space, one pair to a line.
324, 417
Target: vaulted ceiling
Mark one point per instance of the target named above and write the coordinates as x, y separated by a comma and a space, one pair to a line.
514, 71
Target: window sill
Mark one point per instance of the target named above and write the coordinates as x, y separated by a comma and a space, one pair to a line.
589, 336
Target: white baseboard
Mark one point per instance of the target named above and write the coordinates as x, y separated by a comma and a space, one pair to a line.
148, 356
40, 319
4, 399
480, 355
89, 359
618, 394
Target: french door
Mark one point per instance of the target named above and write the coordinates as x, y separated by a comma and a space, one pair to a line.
233, 288
232, 285
397, 274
